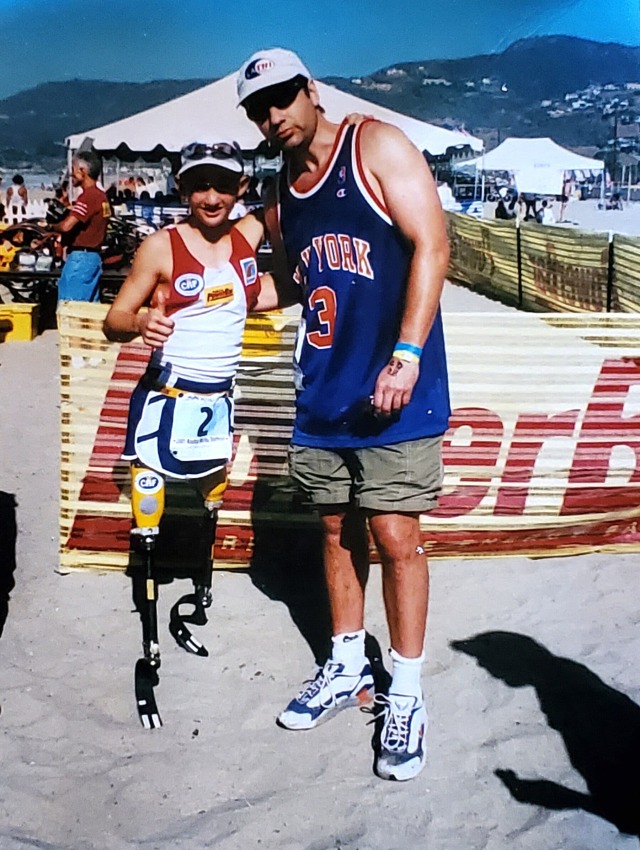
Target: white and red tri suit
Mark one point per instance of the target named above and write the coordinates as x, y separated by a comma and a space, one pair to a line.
209, 307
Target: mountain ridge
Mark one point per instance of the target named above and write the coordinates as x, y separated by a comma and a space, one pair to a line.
556, 86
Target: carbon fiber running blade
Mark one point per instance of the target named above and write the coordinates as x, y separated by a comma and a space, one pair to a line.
146, 678
186, 640
178, 621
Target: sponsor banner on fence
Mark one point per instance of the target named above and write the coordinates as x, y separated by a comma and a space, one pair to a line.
542, 456
484, 254
626, 272
564, 270
558, 268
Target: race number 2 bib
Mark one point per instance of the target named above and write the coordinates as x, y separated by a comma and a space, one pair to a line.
201, 428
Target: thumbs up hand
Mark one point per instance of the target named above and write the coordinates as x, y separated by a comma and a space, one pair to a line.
155, 326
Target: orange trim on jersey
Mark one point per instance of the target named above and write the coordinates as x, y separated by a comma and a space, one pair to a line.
337, 144
379, 202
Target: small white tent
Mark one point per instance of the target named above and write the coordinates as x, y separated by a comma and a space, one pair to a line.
210, 114
537, 165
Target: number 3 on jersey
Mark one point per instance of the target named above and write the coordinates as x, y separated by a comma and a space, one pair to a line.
324, 300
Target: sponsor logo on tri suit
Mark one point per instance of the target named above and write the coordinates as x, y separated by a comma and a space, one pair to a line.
341, 193
218, 294
249, 270
257, 67
189, 284
148, 482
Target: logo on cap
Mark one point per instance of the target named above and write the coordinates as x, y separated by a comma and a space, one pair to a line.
257, 67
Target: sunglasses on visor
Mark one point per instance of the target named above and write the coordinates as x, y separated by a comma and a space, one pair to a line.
258, 105
221, 150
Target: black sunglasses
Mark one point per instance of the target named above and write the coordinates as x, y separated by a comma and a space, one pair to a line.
258, 105
224, 184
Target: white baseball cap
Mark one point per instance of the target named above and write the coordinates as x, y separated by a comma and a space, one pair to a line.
221, 154
268, 68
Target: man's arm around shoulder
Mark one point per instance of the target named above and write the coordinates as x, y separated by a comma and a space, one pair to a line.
277, 288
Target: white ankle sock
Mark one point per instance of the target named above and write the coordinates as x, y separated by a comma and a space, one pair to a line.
348, 649
406, 675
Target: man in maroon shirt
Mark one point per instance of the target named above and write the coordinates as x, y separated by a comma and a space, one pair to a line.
85, 228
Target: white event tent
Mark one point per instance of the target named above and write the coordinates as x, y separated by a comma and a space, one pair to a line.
210, 114
538, 165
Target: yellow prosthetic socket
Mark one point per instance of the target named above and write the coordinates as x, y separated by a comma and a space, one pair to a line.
212, 491
217, 485
147, 499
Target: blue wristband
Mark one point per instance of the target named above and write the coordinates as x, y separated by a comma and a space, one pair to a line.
406, 346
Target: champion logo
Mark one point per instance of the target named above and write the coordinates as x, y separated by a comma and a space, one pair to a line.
341, 193
257, 67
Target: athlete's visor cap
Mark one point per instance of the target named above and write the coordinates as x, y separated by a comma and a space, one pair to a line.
221, 154
268, 68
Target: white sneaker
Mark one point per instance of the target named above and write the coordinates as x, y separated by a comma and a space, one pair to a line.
326, 694
402, 752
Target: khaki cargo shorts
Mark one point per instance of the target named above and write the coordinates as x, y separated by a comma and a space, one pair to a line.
399, 478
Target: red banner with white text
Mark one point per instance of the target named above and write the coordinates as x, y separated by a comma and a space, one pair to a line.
542, 456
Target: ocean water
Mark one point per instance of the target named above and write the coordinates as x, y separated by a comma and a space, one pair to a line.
32, 179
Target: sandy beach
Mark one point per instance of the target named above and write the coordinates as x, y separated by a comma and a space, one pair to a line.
586, 215
530, 679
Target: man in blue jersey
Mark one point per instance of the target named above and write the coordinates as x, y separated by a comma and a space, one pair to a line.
357, 225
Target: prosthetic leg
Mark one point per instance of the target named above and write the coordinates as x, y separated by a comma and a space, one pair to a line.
200, 599
147, 498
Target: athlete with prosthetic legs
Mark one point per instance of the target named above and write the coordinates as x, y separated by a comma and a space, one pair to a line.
201, 279
356, 223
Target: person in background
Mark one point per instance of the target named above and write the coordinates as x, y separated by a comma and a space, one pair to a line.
546, 215
84, 230
531, 206
17, 198
505, 208
357, 225
62, 193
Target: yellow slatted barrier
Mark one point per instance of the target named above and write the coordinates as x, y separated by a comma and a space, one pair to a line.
561, 269
626, 278
484, 255
564, 270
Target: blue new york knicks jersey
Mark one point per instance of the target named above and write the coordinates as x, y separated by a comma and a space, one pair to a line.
351, 263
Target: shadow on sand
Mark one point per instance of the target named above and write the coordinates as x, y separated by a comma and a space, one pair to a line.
599, 725
287, 566
8, 537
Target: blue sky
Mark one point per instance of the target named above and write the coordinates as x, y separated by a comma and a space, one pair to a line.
159, 39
